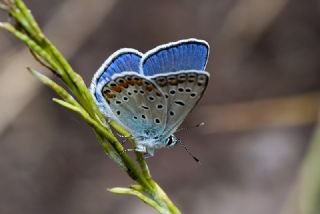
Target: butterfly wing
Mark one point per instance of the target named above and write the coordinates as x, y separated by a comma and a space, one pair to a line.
123, 60
138, 104
178, 69
190, 54
127, 96
183, 91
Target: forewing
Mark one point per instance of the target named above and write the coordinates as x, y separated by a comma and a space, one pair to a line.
123, 60
190, 54
137, 103
182, 90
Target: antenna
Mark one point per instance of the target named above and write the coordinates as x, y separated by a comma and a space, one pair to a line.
188, 151
184, 146
190, 127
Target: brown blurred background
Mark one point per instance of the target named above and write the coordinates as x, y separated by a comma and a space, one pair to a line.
260, 107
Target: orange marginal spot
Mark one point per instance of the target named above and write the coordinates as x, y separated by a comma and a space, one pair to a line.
109, 95
125, 84
162, 83
173, 82
116, 88
149, 88
130, 82
112, 95
139, 82
158, 93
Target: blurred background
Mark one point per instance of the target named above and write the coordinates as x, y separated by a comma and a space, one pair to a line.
260, 107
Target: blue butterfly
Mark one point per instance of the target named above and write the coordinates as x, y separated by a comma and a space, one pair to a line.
151, 94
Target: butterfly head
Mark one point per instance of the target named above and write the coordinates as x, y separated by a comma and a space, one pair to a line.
171, 141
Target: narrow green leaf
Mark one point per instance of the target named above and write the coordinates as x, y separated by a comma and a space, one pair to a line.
57, 88
67, 105
141, 196
137, 187
33, 27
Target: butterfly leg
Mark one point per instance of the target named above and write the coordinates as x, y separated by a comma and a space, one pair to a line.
123, 136
149, 153
139, 148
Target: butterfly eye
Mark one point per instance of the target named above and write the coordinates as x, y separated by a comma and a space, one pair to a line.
170, 141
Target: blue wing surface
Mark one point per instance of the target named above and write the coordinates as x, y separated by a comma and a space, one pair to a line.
191, 54
123, 60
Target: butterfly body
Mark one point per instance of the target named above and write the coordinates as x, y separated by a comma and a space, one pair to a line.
151, 94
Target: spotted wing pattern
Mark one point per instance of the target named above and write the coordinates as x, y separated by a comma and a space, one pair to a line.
123, 60
137, 103
182, 90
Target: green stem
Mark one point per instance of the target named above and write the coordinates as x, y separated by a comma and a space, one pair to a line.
140, 195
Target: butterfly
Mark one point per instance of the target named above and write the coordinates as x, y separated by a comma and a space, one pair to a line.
151, 94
